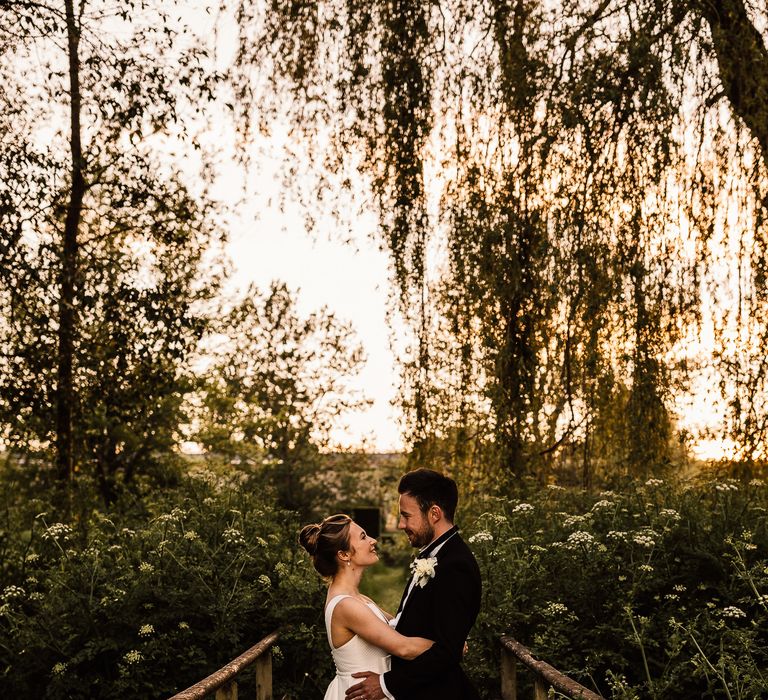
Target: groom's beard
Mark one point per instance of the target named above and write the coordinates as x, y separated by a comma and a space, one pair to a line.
421, 538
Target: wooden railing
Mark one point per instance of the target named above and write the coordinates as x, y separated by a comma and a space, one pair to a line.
224, 681
545, 675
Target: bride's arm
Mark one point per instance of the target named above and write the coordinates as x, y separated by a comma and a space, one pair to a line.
361, 620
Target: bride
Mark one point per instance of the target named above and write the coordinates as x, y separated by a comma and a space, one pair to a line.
358, 633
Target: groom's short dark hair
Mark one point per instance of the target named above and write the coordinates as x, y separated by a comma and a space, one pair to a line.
429, 488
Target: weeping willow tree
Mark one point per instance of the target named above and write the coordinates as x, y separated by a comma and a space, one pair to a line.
573, 195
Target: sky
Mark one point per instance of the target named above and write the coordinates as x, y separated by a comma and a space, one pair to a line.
267, 242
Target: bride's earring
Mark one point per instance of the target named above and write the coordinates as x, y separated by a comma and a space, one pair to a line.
349, 563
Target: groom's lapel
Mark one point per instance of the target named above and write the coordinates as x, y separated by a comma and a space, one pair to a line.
408, 590
404, 596
438, 544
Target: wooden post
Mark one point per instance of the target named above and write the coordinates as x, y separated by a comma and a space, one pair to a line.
546, 676
508, 675
264, 676
227, 692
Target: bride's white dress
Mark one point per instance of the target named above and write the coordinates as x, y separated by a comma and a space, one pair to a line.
352, 656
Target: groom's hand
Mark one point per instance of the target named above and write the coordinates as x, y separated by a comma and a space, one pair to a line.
369, 689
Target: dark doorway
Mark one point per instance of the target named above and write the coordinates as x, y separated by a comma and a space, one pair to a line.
369, 519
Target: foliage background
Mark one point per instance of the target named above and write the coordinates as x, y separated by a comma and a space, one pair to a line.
647, 590
164, 589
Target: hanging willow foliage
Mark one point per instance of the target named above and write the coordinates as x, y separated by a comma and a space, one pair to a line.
573, 195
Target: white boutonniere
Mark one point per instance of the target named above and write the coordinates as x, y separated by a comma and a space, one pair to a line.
423, 570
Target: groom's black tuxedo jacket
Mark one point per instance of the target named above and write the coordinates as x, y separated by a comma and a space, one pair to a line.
444, 610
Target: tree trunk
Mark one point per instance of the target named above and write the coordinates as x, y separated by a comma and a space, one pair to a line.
65, 395
742, 58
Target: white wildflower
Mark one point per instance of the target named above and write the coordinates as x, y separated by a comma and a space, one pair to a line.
133, 657
11, 593
59, 669
643, 541
146, 568
618, 535
733, 612
555, 487
183, 625
602, 505
233, 536
555, 609
572, 520
191, 535
482, 536
654, 482
669, 513
523, 508
580, 538
265, 581
146, 630
56, 532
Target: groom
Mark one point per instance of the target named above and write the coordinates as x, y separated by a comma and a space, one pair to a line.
440, 602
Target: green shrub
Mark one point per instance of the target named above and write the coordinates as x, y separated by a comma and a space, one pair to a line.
156, 595
658, 591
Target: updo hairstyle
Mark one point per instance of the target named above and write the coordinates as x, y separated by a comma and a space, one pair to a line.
324, 540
